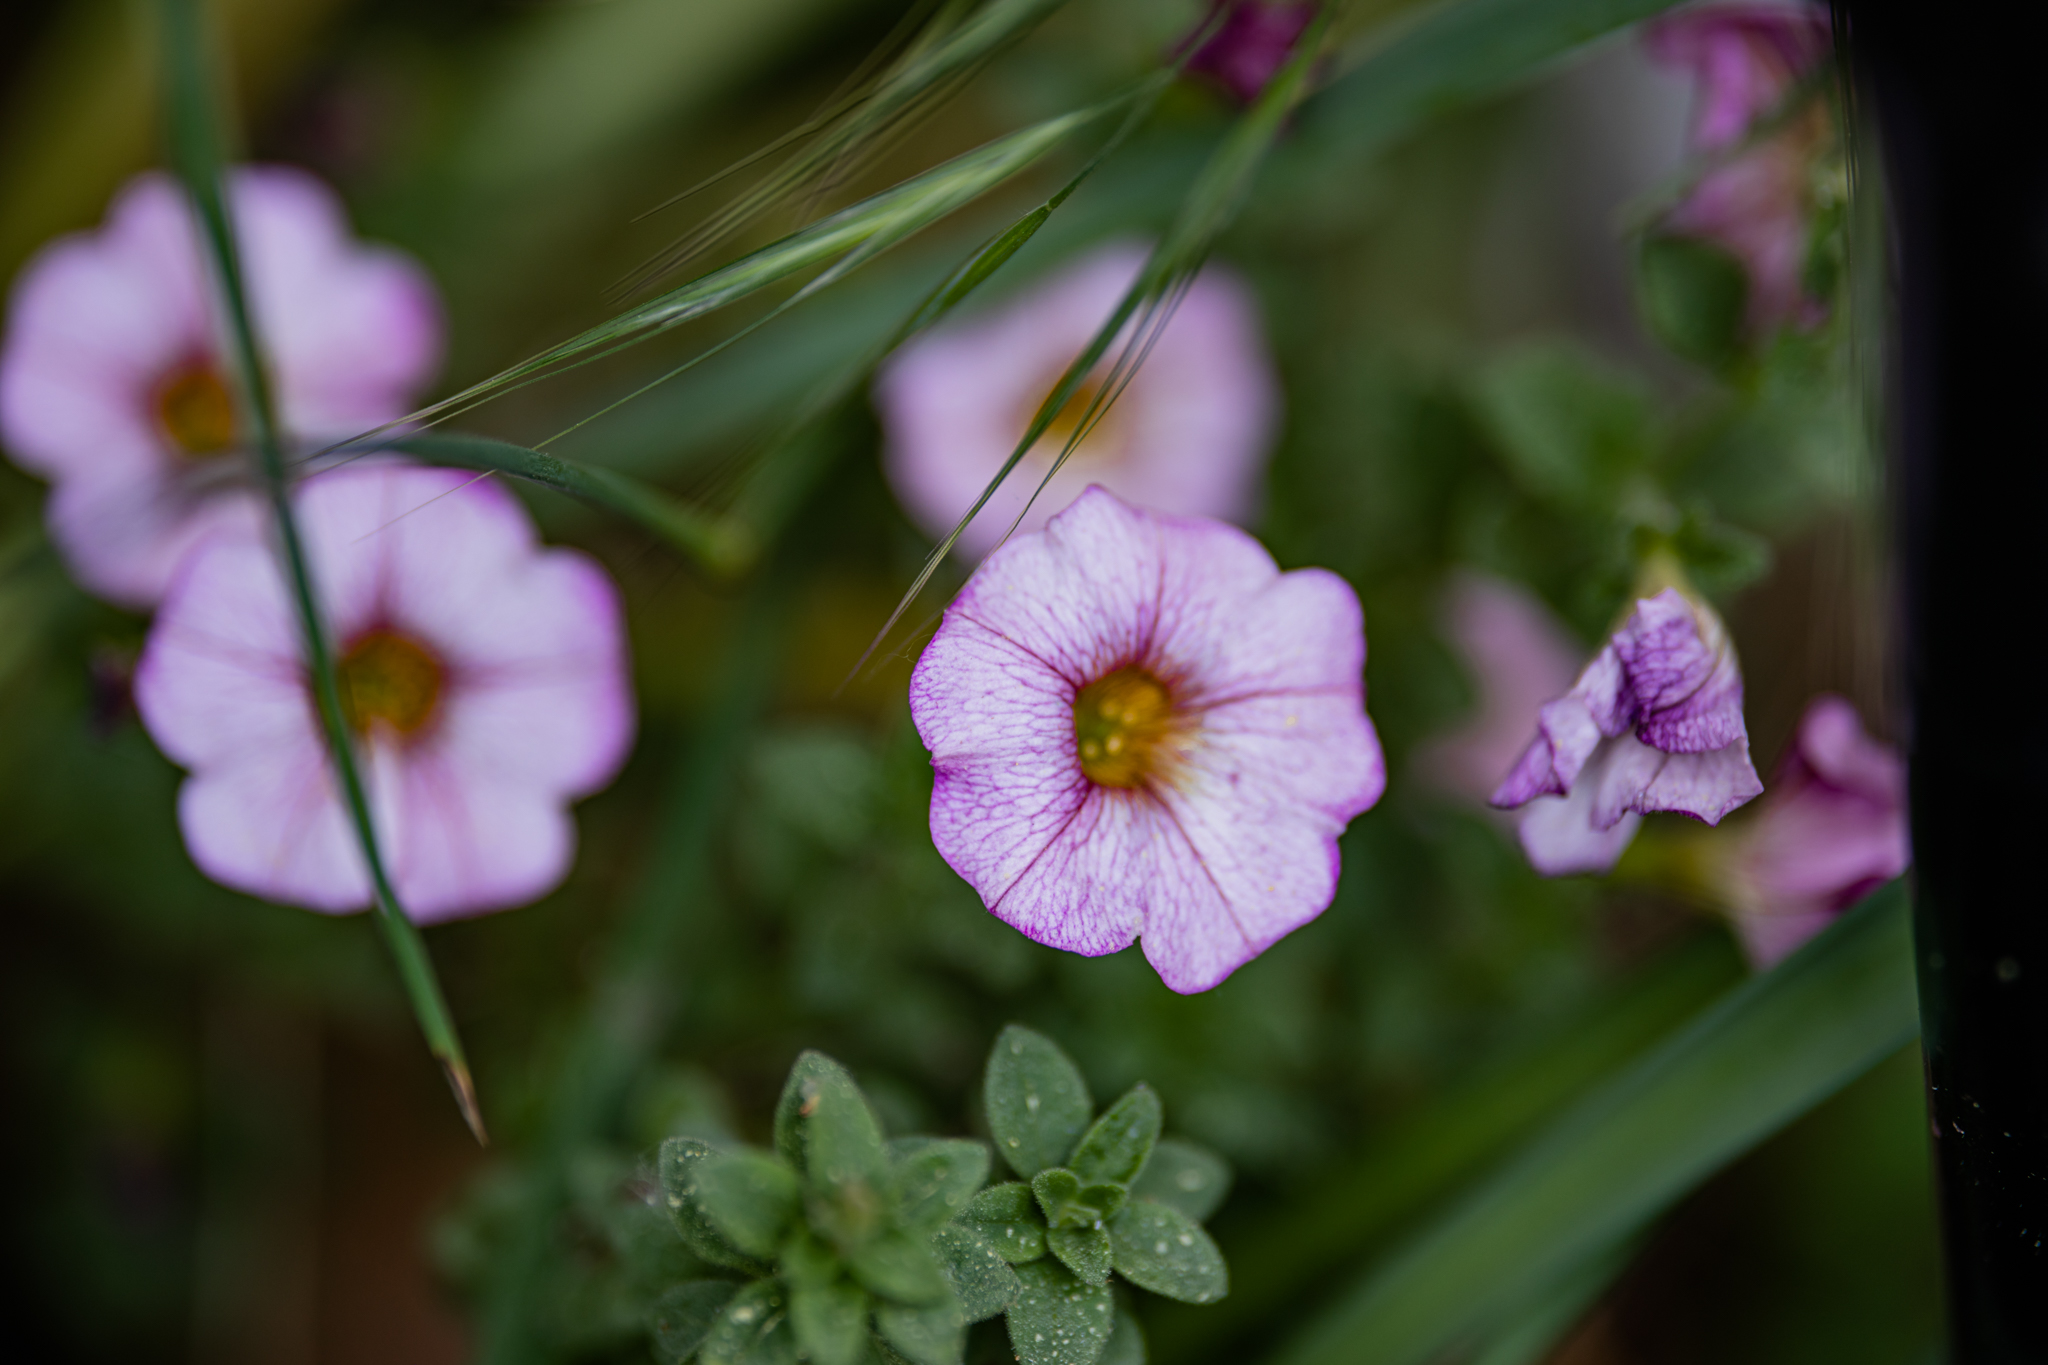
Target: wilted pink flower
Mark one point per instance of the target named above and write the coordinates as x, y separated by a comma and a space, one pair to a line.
484, 676
1188, 436
1142, 728
114, 382
1519, 657
1254, 41
1744, 59
1654, 723
1831, 830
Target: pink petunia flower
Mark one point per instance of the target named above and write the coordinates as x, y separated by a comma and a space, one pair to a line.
1744, 59
1653, 723
485, 678
1188, 436
114, 382
1519, 658
1831, 830
1253, 42
1141, 728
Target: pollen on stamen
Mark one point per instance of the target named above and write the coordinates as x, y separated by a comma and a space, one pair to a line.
1124, 723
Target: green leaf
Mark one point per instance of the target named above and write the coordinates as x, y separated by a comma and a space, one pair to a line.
1694, 298
842, 1137
1008, 1216
1037, 1102
930, 1334
830, 1322
1057, 1320
749, 1197
976, 1271
798, 1092
1114, 1150
1184, 1176
753, 1330
683, 1315
1772, 1050
1126, 1341
900, 1267
1570, 428
1083, 1250
1067, 1203
935, 1178
680, 1163
1159, 1248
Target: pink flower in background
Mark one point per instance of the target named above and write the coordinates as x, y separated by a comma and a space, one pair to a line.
484, 675
1143, 729
114, 380
1254, 41
1654, 723
1518, 657
1831, 830
1744, 59
1188, 436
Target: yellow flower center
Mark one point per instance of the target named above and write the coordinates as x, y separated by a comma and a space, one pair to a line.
389, 680
1103, 437
1124, 725
196, 410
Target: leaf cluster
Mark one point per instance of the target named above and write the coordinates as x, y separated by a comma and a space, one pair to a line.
841, 1246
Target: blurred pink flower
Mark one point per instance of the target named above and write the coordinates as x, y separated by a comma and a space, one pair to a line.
1744, 59
1188, 436
1831, 830
114, 383
484, 675
1654, 723
1142, 728
1254, 41
1518, 657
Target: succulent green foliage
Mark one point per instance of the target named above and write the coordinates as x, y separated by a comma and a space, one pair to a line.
1037, 1102
1116, 1199
851, 1242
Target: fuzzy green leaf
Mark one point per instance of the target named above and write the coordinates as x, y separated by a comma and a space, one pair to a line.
1570, 428
1115, 1148
1057, 1320
1159, 1248
753, 1330
749, 1197
1184, 1176
1067, 1203
1694, 297
841, 1135
681, 1161
1083, 1250
976, 1270
927, 1334
830, 1322
682, 1317
1008, 1216
900, 1267
935, 1178
1037, 1102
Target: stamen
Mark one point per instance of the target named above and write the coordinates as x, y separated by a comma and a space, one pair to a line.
389, 680
196, 410
1123, 727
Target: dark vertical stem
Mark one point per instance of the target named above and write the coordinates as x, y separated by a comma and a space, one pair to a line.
1957, 105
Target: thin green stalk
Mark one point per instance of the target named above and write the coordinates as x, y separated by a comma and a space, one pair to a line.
198, 148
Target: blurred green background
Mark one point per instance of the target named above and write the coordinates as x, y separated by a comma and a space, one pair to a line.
225, 1143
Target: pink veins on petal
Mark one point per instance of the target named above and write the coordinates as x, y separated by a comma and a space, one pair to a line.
484, 676
1237, 692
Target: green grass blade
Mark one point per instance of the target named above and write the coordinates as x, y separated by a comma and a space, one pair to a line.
933, 67
1209, 206
719, 544
1416, 1164
1451, 56
198, 149
1774, 1049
